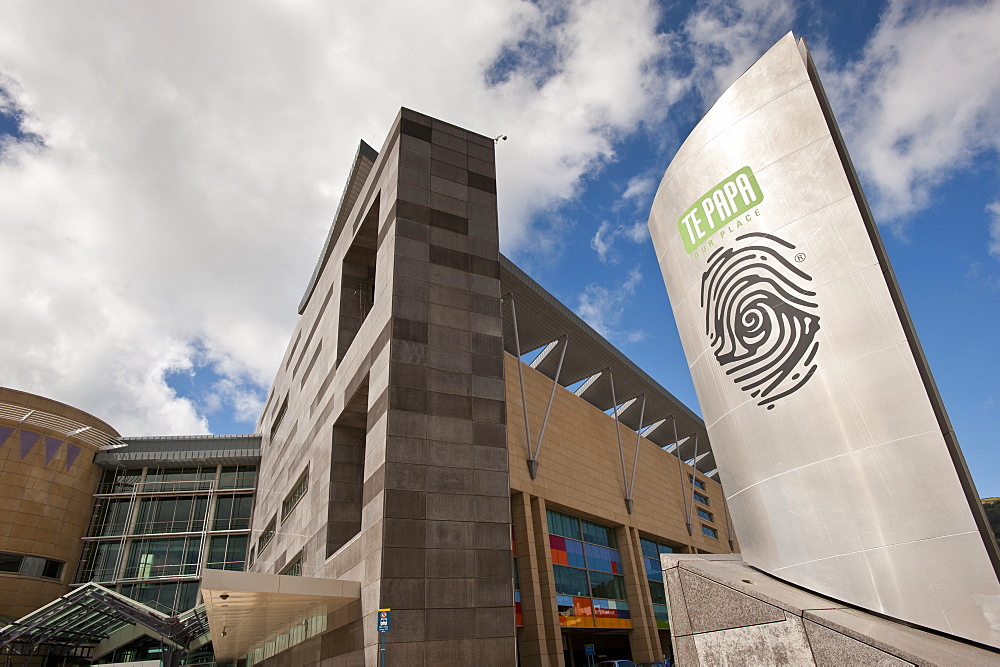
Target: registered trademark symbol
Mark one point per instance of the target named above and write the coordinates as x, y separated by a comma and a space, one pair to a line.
800, 257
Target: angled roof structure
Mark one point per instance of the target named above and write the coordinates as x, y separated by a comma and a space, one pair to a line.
73, 624
544, 323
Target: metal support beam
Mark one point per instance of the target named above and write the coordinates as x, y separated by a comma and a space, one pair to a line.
680, 472
618, 433
635, 460
694, 473
533, 460
532, 465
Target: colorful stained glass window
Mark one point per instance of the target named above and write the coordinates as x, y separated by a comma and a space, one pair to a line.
587, 569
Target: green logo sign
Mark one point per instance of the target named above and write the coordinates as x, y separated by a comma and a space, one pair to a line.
734, 196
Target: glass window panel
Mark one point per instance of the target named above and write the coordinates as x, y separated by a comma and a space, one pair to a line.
99, 561
649, 548
174, 556
574, 553
710, 532
608, 586
52, 569
10, 563
227, 552
660, 614
653, 571
597, 534
657, 593
707, 516
238, 477
570, 580
563, 525
701, 498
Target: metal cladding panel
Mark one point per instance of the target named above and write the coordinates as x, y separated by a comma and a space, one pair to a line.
839, 470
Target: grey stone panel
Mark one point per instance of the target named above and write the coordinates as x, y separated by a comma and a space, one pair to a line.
723, 612
720, 607
829, 647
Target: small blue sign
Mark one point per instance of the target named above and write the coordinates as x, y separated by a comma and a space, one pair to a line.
588, 649
383, 619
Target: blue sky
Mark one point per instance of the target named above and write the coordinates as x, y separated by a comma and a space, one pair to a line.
168, 178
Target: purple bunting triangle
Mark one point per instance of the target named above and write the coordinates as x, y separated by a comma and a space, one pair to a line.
5, 432
72, 451
52, 446
28, 440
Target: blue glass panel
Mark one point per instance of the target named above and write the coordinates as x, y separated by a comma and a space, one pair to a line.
574, 553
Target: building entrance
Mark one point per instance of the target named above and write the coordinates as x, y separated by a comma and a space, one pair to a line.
608, 645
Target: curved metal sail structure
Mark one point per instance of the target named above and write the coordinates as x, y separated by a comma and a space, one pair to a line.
842, 471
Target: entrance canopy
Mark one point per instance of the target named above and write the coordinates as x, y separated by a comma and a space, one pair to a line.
247, 609
75, 623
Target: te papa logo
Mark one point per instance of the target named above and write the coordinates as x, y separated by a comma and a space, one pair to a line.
723, 210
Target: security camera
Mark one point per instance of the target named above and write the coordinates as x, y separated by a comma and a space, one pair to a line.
499, 138
223, 634
224, 596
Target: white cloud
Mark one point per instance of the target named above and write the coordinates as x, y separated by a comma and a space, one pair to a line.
192, 162
921, 100
603, 308
994, 211
640, 190
725, 37
604, 238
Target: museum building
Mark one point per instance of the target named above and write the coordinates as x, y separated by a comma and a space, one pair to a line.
444, 439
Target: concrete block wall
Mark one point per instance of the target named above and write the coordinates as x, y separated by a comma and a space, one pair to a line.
433, 542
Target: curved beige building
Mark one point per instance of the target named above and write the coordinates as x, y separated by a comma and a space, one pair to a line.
47, 481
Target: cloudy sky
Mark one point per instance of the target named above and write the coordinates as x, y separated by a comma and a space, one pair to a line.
168, 172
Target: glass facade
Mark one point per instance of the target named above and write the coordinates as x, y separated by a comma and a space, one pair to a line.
587, 569
154, 529
654, 574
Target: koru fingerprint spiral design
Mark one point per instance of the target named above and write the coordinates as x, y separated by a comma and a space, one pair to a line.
760, 318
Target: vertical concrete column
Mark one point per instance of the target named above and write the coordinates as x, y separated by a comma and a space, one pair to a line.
546, 582
643, 637
532, 641
446, 535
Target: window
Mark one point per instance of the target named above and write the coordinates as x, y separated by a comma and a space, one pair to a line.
119, 481
110, 517
179, 479
170, 557
233, 512
709, 532
238, 477
295, 495
293, 569
697, 482
30, 566
280, 416
707, 516
651, 552
10, 563
169, 598
701, 499
266, 536
172, 515
227, 552
587, 569
99, 561
52, 569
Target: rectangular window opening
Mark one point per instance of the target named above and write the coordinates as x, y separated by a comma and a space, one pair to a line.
295, 495
347, 471
357, 284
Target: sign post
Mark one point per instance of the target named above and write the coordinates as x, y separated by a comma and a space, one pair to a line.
382, 620
588, 650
